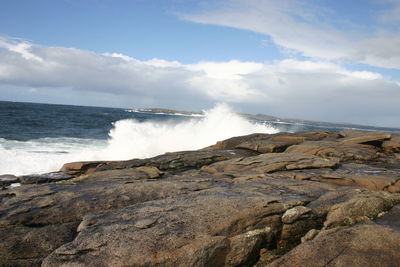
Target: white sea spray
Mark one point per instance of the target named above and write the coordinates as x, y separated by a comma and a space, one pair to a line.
128, 139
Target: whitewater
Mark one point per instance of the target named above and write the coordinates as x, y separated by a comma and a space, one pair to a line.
126, 139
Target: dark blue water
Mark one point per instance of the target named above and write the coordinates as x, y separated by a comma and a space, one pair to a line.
27, 121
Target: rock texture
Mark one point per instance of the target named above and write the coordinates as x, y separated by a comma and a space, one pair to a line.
286, 199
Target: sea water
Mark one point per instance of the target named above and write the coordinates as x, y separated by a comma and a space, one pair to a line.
39, 138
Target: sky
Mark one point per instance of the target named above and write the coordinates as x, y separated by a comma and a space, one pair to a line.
327, 60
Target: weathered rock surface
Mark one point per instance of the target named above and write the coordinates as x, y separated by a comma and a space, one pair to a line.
286, 199
271, 162
355, 137
360, 245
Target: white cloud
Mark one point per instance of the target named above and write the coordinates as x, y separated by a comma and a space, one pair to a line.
313, 30
317, 90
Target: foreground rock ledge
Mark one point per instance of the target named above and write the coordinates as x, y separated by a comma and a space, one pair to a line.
287, 199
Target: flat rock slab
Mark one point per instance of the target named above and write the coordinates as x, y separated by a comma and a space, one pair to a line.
266, 163
176, 161
363, 137
350, 174
266, 146
288, 138
341, 150
44, 178
181, 231
359, 246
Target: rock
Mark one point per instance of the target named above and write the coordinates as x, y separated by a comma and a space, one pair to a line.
365, 206
283, 137
8, 179
186, 233
265, 146
145, 223
230, 207
77, 168
332, 149
231, 143
353, 137
359, 246
128, 174
392, 145
44, 178
310, 235
27, 246
294, 214
177, 161
244, 248
390, 218
350, 174
272, 162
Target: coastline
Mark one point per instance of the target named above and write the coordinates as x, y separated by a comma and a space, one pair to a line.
285, 199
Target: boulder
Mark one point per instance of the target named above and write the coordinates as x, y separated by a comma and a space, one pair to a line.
294, 214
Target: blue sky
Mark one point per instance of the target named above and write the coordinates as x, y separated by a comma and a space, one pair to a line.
141, 29
320, 59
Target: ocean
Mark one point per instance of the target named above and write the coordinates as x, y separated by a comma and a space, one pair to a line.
40, 138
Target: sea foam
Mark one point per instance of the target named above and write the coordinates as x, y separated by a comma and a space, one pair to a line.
127, 139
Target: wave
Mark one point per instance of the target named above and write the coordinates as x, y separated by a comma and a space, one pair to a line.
144, 111
128, 139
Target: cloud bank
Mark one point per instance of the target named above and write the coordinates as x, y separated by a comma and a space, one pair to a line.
308, 89
308, 28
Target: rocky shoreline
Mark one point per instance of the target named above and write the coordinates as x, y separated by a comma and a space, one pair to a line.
285, 199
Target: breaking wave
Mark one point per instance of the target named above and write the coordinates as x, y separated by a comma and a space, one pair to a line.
128, 139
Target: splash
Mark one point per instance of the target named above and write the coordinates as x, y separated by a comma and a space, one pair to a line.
128, 139
131, 138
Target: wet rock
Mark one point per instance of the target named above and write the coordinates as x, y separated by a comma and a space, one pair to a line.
390, 218
44, 178
176, 161
8, 179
